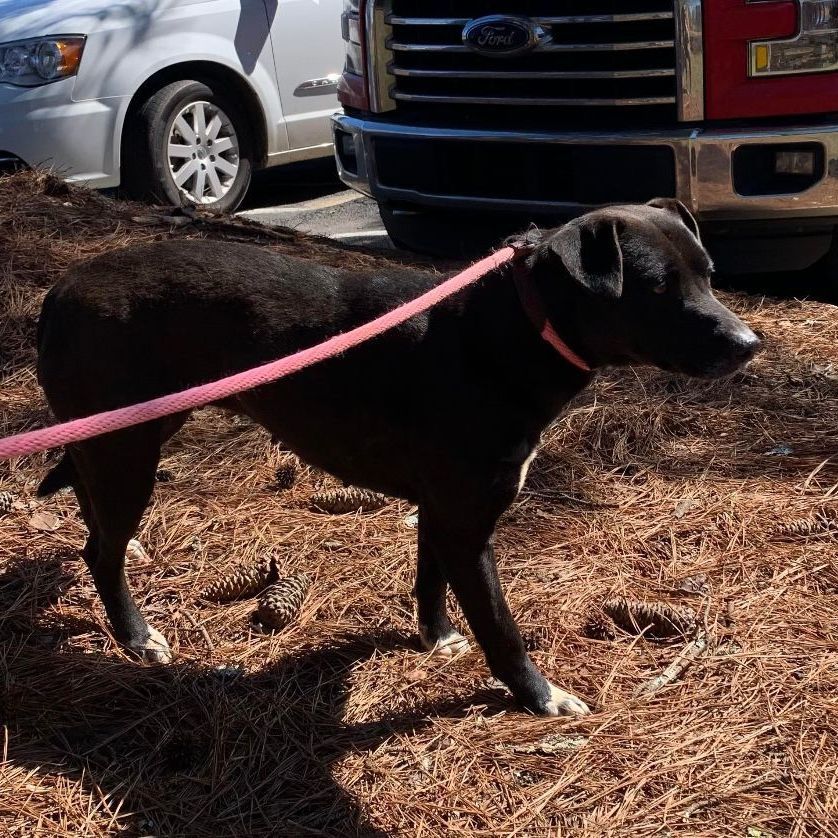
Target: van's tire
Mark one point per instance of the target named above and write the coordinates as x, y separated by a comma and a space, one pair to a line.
172, 119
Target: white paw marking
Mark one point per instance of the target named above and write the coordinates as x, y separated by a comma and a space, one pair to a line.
155, 649
135, 552
562, 703
448, 646
525, 468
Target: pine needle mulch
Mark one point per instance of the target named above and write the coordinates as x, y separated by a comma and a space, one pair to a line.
717, 496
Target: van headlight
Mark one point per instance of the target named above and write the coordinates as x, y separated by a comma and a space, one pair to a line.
40, 60
813, 50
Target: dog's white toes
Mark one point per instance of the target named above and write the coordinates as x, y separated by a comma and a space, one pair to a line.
562, 703
135, 552
155, 649
447, 646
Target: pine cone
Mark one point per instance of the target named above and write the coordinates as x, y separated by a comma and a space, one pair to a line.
663, 621
823, 523
537, 639
243, 582
7, 501
286, 476
599, 627
164, 475
281, 603
349, 499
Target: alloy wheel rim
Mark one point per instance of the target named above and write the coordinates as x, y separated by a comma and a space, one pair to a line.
203, 152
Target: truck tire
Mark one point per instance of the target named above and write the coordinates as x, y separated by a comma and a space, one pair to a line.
826, 277
444, 234
188, 144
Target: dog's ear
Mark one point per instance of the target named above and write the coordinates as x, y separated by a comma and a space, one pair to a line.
677, 208
589, 249
531, 237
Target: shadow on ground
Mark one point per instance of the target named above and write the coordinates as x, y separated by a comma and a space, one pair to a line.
293, 184
190, 750
815, 283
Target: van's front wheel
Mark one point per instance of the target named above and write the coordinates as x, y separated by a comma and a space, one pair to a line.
188, 145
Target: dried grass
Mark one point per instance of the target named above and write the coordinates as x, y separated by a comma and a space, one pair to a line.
338, 725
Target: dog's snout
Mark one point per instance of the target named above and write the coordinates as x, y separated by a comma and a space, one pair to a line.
729, 348
746, 344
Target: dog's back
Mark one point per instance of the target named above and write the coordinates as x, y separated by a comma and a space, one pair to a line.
199, 309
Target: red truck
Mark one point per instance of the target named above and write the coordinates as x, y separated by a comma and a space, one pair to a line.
464, 119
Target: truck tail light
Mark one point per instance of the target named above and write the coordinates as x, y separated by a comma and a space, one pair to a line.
813, 50
353, 89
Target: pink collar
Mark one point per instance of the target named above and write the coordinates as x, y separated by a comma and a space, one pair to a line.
533, 305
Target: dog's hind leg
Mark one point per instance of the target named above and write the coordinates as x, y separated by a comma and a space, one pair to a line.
435, 630
114, 484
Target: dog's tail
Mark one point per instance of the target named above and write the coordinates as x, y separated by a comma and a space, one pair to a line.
58, 477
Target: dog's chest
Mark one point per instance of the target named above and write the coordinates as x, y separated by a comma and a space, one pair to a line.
525, 467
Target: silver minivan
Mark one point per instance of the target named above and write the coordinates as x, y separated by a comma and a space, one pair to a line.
175, 100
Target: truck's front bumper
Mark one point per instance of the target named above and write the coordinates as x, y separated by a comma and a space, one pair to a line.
700, 168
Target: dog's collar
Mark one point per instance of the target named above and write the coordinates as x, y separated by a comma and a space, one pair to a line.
533, 305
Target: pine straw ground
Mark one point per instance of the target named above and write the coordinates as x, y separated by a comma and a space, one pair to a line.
339, 725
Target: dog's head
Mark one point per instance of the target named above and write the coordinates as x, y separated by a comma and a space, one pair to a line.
638, 280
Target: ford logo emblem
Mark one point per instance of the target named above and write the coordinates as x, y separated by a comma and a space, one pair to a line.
498, 35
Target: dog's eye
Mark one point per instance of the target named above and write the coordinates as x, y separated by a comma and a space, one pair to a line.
660, 286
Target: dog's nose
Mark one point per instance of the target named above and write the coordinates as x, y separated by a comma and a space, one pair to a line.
745, 345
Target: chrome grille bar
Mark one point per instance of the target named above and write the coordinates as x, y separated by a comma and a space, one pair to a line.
532, 101
662, 72
396, 46
396, 20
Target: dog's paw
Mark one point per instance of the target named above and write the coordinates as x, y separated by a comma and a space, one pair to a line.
562, 703
154, 649
135, 552
446, 646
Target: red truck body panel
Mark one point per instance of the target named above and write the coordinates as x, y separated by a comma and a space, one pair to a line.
729, 93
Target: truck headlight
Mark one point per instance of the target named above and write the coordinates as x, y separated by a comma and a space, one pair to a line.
40, 60
813, 50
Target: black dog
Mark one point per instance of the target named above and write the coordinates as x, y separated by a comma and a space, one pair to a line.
445, 411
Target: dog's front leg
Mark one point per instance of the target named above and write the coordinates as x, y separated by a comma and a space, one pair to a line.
465, 554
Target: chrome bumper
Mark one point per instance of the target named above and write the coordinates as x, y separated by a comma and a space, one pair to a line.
703, 167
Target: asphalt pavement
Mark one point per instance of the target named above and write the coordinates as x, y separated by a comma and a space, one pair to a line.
309, 197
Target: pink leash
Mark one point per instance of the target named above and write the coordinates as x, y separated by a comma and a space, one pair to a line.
124, 417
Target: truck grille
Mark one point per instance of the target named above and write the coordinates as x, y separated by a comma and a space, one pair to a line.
603, 56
